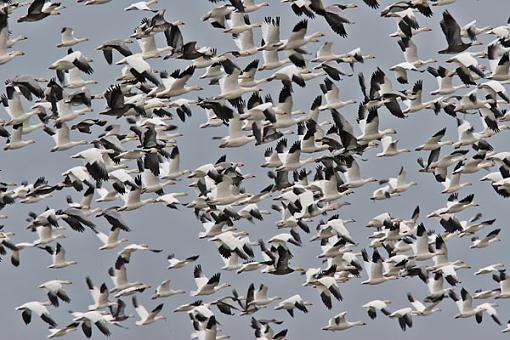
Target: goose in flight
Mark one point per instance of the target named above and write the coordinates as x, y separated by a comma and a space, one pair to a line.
452, 32
389, 147
490, 238
175, 263
404, 316
58, 332
489, 269
6, 56
420, 308
295, 301
377, 305
90, 318
110, 241
466, 310
38, 308
142, 6
374, 268
206, 286
40, 9
164, 290
56, 291
68, 39
340, 323
434, 142
147, 318
99, 294
58, 257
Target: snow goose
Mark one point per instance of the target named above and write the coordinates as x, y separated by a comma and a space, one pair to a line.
148, 46
94, 162
164, 290
415, 104
92, 318
389, 147
404, 317
370, 127
298, 37
217, 15
110, 241
13, 40
46, 235
486, 241
411, 53
71, 60
235, 138
170, 200
174, 263
470, 30
239, 23
292, 160
233, 242
68, 38
420, 308
38, 308
5, 56
55, 289
377, 305
229, 84
147, 318
61, 137
328, 287
132, 199
139, 68
16, 141
353, 178
453, 184
399, 185
434, 142
175, 84
250, 5
421, 246
131, 248
119, 276
339, 323
332, 95
270, 35
58, 332
75, 81
401, 69
374, 268
14, 108
100, 295
58, 257
261, 298
454, 205
504, 284
444, 81
295, 301
206, 286
494, 88
142, 6
489, 269
407, 29
466, 309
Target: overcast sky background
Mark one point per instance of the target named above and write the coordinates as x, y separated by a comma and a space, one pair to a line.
176, 231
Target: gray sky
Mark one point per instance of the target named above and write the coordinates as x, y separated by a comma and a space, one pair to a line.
175, 231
